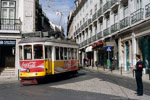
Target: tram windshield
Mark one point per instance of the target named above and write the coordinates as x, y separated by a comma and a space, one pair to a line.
28, 52
38, 52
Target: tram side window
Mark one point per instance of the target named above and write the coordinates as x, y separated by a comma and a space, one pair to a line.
69, 53
65, 53
72, 53
75, 50
57, 53
38, 52
28, 52
46, 52
61, 53
20, 53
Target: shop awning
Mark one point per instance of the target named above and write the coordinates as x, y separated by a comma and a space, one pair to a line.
88, 49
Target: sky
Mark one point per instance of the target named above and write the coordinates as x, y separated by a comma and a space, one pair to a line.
50, 7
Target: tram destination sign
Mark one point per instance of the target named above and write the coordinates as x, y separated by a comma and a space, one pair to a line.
7, 42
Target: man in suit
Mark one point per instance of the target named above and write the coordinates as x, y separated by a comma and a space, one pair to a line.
138, 71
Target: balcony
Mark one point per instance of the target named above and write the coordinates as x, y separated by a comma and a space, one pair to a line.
124, 23
137, 16
78, 31
106, 31
99, 35
85, 43
147, 8
89, 21
89, 40
99, 13
114, 28
85, 24
10, 24
94, 17
106, 6
114, 2
82, 27
93, 38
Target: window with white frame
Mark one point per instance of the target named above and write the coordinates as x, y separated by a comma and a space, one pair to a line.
87, 4
139, 4
107, 21
116, 16
91, 12
8, 11
125, 9
95, 8
101, 3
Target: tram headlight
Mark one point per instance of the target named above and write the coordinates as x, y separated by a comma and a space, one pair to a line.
36, 74
28, 70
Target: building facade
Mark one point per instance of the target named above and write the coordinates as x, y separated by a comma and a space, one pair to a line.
123, 26
17, 17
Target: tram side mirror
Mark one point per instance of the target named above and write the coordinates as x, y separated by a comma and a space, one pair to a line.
13, 51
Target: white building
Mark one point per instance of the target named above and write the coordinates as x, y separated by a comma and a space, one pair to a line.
122, 24
17, 16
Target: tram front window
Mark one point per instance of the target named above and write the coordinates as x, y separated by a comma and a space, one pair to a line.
20, 53
38, 52
28, 52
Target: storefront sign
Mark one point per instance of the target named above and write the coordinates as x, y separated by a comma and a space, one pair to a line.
7, 42
94, 45
97, 44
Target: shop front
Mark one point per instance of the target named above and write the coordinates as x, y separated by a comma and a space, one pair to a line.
144, 50
7, 53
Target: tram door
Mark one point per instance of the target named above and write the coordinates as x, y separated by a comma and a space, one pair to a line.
48, 59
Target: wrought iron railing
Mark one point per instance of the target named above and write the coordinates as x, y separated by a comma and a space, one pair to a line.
99, 35
93, 38
10, 24
99, 13
82, 27
124, 23
137, 15
85, 24
106, 6
106, 31
89, 40
78, 30
94, 17
147, 9
114, 2
89, 21
114, 28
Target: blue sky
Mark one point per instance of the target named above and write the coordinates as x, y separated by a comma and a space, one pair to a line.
50, 7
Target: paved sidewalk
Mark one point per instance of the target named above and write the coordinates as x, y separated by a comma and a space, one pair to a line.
145, 77
6, 80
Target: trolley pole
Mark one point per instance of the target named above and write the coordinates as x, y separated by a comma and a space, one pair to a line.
60, 18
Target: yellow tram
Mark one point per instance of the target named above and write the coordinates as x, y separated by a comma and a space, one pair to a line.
40, 57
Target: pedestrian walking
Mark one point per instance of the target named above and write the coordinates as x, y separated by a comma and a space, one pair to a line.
87, 62
138, 71
84, 61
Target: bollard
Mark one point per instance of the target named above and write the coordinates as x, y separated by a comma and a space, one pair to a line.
121, 70
104, 67
18, 74
133, 73
111, 69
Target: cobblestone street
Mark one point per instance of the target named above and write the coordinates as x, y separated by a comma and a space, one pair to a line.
87, 85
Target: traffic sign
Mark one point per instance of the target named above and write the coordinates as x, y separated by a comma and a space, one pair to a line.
108, 48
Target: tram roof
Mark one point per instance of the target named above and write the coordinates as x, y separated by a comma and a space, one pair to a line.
38, 39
